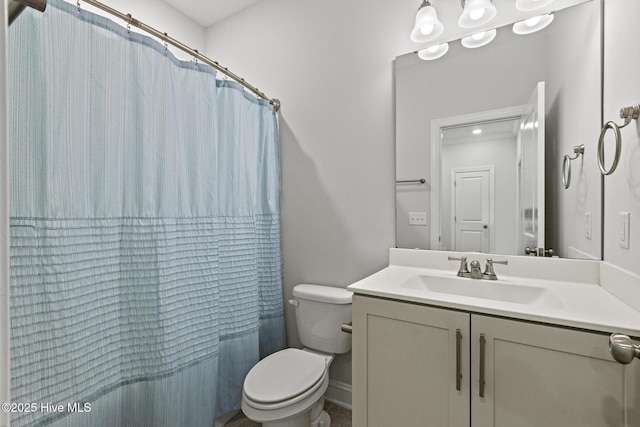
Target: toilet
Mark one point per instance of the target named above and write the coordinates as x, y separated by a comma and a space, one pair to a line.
286, 389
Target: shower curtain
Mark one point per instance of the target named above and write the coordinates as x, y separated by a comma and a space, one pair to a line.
145, 233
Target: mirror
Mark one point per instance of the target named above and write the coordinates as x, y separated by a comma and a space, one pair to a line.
436, 100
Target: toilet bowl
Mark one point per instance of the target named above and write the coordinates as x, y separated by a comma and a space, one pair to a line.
286, 389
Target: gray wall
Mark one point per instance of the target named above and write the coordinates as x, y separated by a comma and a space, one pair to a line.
502, 154
622, 89
330, 64
573, 117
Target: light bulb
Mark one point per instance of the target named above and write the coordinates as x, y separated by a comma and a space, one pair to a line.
433, 52
479, 39
477, 14
533, 24
427, 26
425, 30
532, 21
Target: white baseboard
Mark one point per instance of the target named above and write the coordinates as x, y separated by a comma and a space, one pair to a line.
339, 393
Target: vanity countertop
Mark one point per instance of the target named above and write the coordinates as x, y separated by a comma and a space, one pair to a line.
573, 296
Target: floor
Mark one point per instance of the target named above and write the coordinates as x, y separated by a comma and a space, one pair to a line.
340, 417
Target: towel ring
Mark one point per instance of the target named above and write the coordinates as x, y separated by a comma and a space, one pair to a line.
628, 114
566, 165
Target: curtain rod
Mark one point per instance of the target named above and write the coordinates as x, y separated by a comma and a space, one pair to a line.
193, 52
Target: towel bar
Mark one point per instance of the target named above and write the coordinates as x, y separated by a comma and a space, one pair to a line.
566, 165
628, 114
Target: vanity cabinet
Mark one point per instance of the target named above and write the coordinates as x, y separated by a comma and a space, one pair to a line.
417, 365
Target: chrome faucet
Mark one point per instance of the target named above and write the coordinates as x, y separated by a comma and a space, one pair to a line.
476, 272
489, 274
463, 271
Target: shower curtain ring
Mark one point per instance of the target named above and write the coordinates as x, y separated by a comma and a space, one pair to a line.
166, 45
78, 5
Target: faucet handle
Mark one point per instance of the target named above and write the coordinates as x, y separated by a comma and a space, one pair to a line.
463, 271
488, 271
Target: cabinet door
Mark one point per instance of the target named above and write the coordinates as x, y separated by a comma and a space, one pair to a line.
541, 376
405, 363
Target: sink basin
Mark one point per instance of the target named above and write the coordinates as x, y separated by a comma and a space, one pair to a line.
475, 288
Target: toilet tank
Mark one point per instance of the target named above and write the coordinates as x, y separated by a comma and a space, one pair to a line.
320, 312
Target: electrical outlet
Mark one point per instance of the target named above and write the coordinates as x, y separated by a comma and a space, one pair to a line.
624, 218
587, 225
417, 218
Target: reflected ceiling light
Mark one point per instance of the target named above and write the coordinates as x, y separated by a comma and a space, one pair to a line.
533, 24
476, 131
529, 5
479, 39
476, 13
433, 52
427, 26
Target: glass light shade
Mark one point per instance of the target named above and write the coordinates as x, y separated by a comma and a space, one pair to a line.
479, 39
529, 5
533, 24
433, 52
476, 13
428, 26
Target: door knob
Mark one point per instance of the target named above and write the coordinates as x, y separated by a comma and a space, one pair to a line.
484, 226
623, 349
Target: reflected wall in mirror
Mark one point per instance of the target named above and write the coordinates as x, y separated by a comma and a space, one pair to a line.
496, 77
485, 177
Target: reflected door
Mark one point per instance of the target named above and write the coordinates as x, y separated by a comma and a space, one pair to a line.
531, 174
471, 209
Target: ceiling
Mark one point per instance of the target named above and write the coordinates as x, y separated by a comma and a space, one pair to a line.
208, 12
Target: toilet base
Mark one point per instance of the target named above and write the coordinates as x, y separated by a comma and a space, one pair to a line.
316, 416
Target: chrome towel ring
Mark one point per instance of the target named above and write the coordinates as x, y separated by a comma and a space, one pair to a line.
628, 114
566, 165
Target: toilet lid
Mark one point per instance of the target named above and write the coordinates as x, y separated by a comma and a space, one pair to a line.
284, 375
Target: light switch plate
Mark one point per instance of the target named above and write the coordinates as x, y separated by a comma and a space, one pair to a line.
624, 219
417, 218
587, 225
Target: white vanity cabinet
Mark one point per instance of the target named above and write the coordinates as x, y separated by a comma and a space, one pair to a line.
408, 358
405, 362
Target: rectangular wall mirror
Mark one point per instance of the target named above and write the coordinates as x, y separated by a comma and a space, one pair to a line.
481, 135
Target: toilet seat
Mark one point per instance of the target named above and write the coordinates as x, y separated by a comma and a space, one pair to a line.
285, 378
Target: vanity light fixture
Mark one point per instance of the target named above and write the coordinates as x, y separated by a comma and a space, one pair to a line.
427, 26
479, 39
433, 52
529, 5
533, 24
476, 13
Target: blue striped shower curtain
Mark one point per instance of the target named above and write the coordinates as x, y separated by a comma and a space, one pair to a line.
145, 230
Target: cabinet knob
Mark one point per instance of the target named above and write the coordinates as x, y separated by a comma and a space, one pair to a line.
623, 349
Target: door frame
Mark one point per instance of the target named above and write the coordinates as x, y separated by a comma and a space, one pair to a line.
437, 125
491, 222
